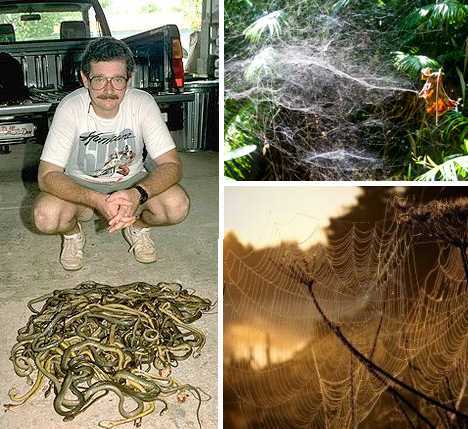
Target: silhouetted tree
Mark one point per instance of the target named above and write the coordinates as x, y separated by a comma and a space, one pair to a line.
444, 220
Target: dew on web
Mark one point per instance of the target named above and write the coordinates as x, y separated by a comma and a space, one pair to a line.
359, 291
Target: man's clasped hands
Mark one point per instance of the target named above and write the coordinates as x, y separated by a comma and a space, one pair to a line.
119, 209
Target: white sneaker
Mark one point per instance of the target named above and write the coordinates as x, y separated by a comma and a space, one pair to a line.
71, 257
141, 244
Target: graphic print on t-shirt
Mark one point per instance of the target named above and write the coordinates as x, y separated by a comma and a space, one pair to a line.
106, 154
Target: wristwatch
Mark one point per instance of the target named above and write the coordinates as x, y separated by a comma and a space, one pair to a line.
143, 194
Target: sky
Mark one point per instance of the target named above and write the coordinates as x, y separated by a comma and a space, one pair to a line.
263, 216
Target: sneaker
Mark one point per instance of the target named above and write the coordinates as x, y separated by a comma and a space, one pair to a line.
71, 257
141, 244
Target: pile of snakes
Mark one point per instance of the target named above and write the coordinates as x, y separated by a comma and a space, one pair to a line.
95, 339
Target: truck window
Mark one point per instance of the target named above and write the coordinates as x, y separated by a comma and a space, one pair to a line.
127, 18
26, 22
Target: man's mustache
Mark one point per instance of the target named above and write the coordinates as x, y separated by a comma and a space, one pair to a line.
108, 97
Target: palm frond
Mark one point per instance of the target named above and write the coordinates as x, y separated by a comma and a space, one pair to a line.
453, 169
437, 15
413, 64
267, 26
454, 126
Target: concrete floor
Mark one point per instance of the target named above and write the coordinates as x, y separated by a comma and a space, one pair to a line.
29, 268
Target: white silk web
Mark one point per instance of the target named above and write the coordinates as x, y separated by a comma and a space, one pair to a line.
327, 104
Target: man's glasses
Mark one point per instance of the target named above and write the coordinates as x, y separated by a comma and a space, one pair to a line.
100, 82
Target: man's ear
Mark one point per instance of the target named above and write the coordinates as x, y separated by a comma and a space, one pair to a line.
85, 79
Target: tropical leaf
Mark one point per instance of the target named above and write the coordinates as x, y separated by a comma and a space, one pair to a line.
239, 152
240, 138
268, 25
437, 15
454, 126
453, 169
413, 64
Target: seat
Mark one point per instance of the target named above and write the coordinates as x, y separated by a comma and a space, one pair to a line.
73, 30
7, 33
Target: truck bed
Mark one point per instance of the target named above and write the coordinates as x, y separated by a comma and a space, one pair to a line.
49, 65
52, 70
46, 100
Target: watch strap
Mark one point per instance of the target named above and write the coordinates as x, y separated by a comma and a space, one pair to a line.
143, 194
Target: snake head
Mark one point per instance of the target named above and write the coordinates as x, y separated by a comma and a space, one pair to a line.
8, 407
182, 397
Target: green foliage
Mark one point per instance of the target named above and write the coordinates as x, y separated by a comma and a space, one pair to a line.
238, 15
247, 24
240, 138
455, 127
435, 34
407, 34
441, 14
453, 168
437, 30
413, 64
47, 28
440, 152
343, 4
239, 152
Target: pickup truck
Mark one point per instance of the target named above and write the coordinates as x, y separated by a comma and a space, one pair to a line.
48, 65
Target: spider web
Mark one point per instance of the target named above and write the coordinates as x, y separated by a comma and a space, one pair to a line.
399, 301
327, 104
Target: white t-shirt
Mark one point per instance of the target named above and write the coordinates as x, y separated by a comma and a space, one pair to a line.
102, 150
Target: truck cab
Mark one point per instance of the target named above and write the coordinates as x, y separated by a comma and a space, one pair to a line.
47, 38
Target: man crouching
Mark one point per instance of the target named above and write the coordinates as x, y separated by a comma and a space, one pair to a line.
93, 160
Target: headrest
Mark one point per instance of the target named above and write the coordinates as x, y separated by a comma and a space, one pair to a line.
7, 33
73, 30
12, 86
